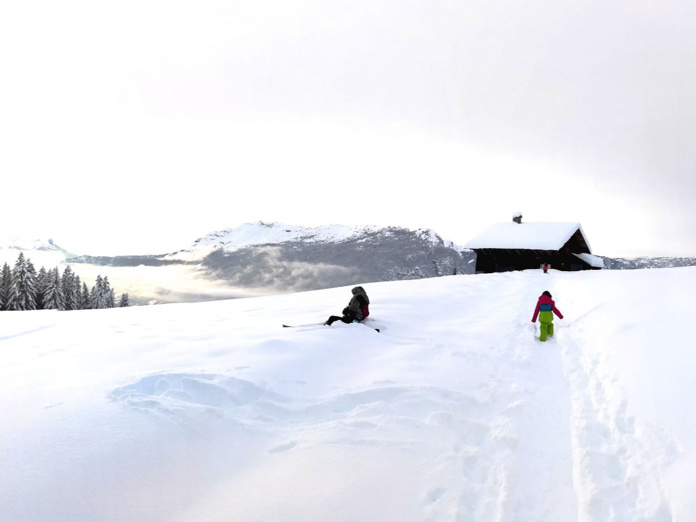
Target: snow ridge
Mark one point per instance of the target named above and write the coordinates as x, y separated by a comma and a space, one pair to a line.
262, 233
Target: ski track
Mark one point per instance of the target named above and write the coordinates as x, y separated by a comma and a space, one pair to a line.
483, 468
616, 456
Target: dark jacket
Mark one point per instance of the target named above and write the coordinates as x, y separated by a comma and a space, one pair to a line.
359, 305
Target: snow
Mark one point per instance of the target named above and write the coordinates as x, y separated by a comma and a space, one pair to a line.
260, 233
533, 235
455, 411
40, 252
591, 260
18, 243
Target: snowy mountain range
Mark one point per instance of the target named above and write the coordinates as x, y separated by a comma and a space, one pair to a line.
620, 263
41, 252
261, 258
299, 258
290, 258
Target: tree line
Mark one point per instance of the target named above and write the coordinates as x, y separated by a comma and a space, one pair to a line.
23, 288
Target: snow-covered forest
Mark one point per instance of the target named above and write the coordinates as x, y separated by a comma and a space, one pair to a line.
24, 288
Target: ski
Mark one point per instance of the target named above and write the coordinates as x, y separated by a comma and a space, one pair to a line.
370, 327
322, 324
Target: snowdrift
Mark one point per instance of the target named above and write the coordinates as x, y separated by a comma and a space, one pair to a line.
454, 412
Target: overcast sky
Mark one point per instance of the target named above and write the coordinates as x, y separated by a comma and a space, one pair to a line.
138, 126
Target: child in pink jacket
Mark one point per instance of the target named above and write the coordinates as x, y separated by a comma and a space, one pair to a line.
545, 309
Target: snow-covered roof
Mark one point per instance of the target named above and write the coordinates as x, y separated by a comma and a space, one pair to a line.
527, 236
591, 260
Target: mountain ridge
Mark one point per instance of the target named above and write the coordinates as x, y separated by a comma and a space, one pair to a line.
265, 234
273, 233
269, 257
303, 258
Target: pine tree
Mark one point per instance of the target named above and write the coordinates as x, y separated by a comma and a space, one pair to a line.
31, 269
109, 295
53, 294
6, 285
23, 289
124, 301
41, 280
93, 293
77, 294
68, 286
84, 298
96, 297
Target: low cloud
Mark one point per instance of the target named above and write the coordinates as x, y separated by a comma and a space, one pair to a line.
251, 273
272, 269
164, 284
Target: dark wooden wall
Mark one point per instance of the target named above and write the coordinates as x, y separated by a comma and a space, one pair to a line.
503, 260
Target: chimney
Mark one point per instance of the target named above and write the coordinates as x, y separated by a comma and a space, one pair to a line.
517, 217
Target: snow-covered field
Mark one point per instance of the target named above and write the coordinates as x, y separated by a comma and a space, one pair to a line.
454, 412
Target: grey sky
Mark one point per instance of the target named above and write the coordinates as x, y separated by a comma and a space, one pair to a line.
136, 127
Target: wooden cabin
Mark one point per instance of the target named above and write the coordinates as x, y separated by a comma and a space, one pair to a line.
515, 245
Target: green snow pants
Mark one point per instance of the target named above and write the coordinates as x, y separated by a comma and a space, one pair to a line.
546, 329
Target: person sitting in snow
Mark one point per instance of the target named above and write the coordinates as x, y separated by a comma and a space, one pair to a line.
357, 309
545, 308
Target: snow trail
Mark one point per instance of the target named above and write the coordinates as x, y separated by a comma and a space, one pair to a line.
616, 456
536, 412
